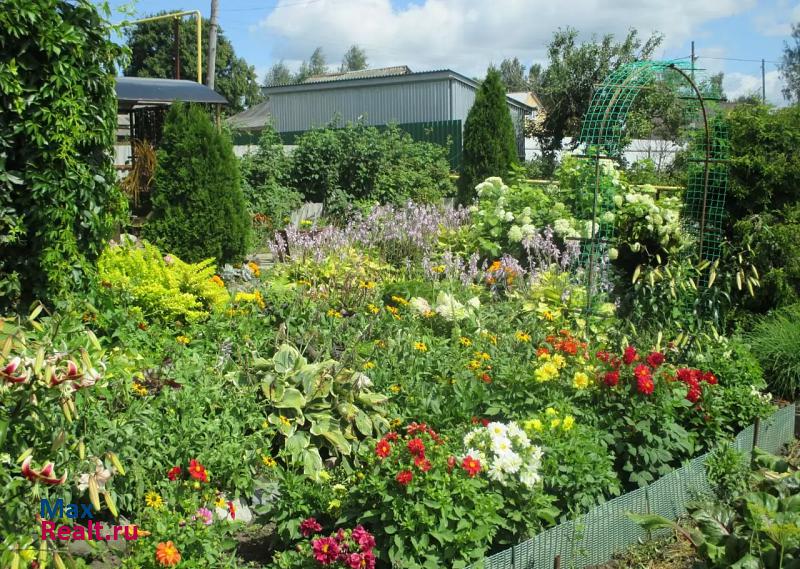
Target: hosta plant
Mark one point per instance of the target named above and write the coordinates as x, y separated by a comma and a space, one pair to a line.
321, 409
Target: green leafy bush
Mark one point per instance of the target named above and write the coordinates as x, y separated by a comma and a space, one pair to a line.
362, 164
58, 197
728, 472
490, 146
157, 286
775, 340
265, 180
198, 208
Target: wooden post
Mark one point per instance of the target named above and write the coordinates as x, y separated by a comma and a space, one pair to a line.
557, 562
756, 428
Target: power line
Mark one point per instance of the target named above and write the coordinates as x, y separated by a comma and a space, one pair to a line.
738, 59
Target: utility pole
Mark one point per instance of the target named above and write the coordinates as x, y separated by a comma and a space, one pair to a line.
763, 83
212, 45
693, 60
177, 28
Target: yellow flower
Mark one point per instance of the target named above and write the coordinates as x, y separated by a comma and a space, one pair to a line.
183, 340
391, 310
438, 269
285, 421
569, 421
466, 342
153, 500
368, 285
217, 280
255, 269
428, 314
420, 347
546, 372
304, 282
334, 313
324, 475
474, 365
360, 475
368, 365
549, 316
339, 488
220, 501
268, 461
522, 336
394, 423
138, 389
265, 424
544, 356
400, 300
395, 388
559, 360
550, 412
482, 356
489, 336
554, 424
373, 309
580, 380
533, 425
380, 343
334, 505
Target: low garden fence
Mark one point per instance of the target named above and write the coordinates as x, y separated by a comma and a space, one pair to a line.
596, 536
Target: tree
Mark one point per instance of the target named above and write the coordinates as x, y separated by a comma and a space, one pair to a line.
199, 211
354, 59
314, 66
59, 200
490, 146
574, 69
512, 73
152, 46
278, 74
790, 66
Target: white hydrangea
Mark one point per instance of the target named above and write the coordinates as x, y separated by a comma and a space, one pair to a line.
515, 234
474, 302
419, 305
509, 217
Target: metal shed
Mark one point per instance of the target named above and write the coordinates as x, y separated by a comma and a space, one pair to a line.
422, 101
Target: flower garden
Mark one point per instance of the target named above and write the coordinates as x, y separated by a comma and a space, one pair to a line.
405, 383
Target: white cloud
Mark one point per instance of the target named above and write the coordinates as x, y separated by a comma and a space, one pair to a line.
777, 22
467, 35
741, 84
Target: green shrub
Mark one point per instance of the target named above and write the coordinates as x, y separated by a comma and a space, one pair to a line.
775, 340
198, 208
264, 180
490, 144
58, 197
159, 286
360, 163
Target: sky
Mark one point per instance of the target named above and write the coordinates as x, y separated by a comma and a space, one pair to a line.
466, 36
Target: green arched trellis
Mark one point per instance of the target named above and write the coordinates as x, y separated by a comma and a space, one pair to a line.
602, 135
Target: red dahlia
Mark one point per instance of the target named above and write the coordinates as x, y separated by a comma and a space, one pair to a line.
655, 359
611, 378
174, 473
383, 448
471, 465
416, 447
642, 372
645, 385
630, 355
404, 477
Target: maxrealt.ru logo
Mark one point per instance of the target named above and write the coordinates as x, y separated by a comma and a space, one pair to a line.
79, 514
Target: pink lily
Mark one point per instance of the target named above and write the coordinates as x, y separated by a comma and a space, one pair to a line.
9, 372
72, 373
44, 474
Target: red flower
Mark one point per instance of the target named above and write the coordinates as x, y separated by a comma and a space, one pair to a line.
611, 378
451, 463
485, 378
645, 385
630, 355
231, 510
363, 538
642, 372
615, 362
9, 372
542, 351
422, 463
390, 436
416, 447
325, 549
309, 527
198, 471
354, 561
471, 465
693, 394
689, 376
709, 378
174, 473
404, 477
44, 474
485, 422
383, 448
655, 359
603, 356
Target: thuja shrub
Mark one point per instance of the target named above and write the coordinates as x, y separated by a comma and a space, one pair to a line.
199, 211
58, 197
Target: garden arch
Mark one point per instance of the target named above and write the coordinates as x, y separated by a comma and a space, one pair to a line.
602, 135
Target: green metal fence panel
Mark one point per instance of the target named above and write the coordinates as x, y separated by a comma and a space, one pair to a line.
596, 536
443, 133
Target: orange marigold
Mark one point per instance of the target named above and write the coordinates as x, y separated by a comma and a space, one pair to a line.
167, 554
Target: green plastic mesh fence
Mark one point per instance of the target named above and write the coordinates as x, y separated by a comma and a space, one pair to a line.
606, 530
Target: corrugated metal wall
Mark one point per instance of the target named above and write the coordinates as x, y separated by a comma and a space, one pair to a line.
420, 101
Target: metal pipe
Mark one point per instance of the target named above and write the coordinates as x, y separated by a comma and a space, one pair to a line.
198, 28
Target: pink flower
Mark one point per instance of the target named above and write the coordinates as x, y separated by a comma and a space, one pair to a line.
363, 538
9, 372
354, 561
325, 550
309, 527
205, 515
44, 474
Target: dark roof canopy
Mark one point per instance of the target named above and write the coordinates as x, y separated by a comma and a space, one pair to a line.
133, 91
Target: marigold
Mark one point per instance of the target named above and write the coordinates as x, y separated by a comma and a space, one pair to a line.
580, 380
167, 554
533, 425
254, 268
568, 423
555, 423
216, 279
550, 412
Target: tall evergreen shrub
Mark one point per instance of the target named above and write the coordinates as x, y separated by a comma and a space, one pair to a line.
199, 211
490, 145
58, 197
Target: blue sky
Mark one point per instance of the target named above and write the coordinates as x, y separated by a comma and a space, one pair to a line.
468, 35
